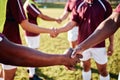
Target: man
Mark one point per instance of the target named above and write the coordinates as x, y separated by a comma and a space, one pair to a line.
14, 16
73, 33
32, 39
15, 54
107, 28
33, 13
88, 14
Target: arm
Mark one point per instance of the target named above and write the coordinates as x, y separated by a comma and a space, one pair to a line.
64, 15
104, 30
14, 54
68, 26
110, 47
65, 28
47, 18
34, 28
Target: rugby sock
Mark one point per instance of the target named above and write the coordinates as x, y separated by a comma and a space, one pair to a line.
119, 76
86, 75
105, 78
1, 79
31, 71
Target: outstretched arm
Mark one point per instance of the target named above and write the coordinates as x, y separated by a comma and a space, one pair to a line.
48, 18
64, 15
68, 26
104, 30
34, 28
14, 54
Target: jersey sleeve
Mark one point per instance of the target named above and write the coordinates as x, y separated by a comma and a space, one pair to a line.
33, 10
117, 9
75, 15
17, 10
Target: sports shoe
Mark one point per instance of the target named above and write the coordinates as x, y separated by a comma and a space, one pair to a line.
35, 77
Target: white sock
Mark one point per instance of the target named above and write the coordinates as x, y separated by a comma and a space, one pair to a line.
105, 78
1, 79
86, 75
31, 71
119, 76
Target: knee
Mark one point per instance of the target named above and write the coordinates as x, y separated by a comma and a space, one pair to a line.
86, 67
103, 72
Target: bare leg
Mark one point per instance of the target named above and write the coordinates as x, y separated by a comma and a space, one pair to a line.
9, 74
86, 73
1, 73
103, 71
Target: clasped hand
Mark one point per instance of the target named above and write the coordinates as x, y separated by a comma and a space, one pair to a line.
54, 32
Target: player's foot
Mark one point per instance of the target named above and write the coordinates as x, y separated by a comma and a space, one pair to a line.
35, 77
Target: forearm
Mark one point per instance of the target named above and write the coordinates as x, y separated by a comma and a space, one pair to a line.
111, 39
64, 15
34, 28
68, 26
18, 55
47, 18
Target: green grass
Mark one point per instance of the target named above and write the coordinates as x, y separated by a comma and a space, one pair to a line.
57, 46
52, 5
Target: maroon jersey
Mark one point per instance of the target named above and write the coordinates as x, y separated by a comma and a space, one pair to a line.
14, 16
32, 13
70, 5
89, 16
117, 9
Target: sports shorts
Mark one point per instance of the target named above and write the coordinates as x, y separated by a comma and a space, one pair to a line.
8, 67
73, 34
33, 41
98, 54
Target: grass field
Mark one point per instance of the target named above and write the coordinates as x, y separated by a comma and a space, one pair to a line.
57, 46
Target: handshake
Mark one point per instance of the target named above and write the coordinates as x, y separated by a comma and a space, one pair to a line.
71, 58
54, 32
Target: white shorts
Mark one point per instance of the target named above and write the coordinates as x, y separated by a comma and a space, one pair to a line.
8, 67
33, 41
98, 54
73, 34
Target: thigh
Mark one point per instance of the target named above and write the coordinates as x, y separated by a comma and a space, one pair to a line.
9, 71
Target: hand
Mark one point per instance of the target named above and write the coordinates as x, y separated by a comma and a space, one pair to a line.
70, 62
110, 50
54, 33
77, 52
58, 20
